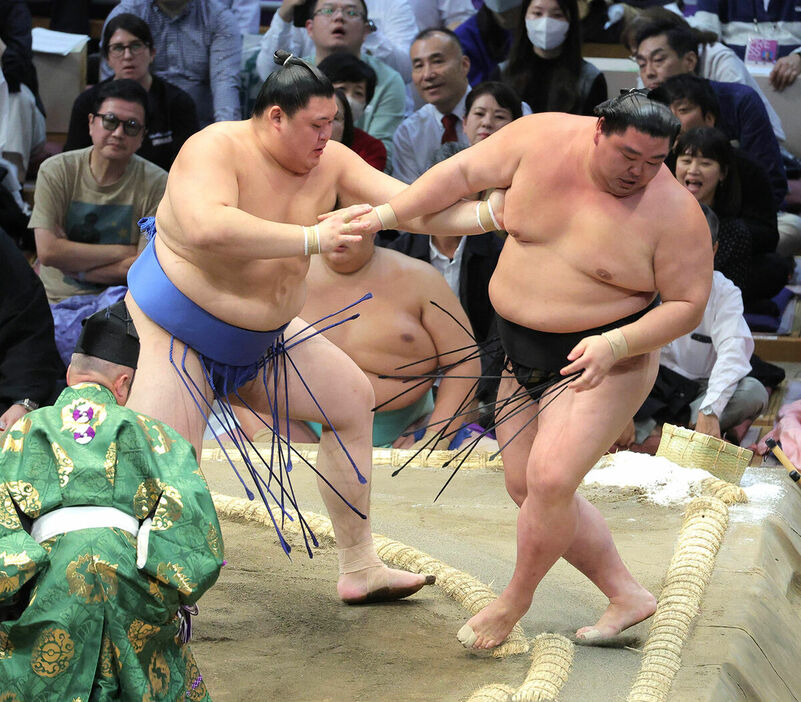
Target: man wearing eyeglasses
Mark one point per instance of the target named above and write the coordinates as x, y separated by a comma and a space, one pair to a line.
340, 26
89, 201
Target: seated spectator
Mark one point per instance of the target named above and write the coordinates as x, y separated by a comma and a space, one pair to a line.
23, 114
343, 28
88, 203
355, 83
369, 148
398, 326
545, 67
716, 358
442, 13
390, 31
742, 114
706, 165
247, 13
31, 372
735, 22
171, 115
439, 72
197, 47
665, 33
92, 599
487, 37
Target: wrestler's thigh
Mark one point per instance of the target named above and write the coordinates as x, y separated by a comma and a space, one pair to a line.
158, 390
516, 427
315, 367
579, 427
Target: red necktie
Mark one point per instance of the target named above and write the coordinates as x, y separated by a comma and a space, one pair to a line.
449, 122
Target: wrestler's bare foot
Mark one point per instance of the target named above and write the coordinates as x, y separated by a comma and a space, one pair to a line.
622, 612
492, 625
379, 584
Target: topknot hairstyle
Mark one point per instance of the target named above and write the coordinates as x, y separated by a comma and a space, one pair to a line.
292, 85
635, 109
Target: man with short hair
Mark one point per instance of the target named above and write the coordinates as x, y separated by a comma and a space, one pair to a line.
705, 55
88, 201
198, 47
343, 26
392, 27
109, 537
661, 54
439, 73
216, 294
413, 315
594, 236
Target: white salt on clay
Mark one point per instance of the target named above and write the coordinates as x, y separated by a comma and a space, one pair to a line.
662, 481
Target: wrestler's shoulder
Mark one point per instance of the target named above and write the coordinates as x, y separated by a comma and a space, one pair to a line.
225, 135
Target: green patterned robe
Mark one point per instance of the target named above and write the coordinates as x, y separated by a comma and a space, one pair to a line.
96, 627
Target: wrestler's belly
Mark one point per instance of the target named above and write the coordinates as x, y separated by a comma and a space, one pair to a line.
259, 295
558, 298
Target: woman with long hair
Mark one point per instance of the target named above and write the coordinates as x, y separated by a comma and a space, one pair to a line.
545, 67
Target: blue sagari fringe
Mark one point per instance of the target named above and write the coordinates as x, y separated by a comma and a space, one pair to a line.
269, 369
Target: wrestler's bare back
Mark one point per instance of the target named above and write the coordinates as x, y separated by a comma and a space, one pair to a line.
577, 255
252, 293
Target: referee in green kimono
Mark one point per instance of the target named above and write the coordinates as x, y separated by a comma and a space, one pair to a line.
108, 537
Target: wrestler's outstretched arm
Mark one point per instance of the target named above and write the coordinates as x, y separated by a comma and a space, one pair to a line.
682, 265
434, 203
200, 209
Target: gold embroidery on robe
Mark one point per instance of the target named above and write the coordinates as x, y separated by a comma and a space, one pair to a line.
64, 462
158, 439
52, 652
159, 673
6, 647
110, 464
16, 435
26, 496
92, 589
139, 632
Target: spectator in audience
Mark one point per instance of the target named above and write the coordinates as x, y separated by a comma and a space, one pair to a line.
398, 326
247, 13
336, 28
706, 165
441, 13
390, 29
545, 66
716, 356
487, 37
171, 115
356, 81
31, 372
87, 206
24, 123
742, 115
736, 21
369, 148
198, 47
439, 72
666, 33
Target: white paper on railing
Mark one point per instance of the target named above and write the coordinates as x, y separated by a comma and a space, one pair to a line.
47, 41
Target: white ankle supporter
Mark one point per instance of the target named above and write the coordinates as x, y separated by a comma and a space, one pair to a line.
359, 557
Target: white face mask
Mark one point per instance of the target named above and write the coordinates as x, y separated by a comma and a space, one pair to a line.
546, 33
356, 108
